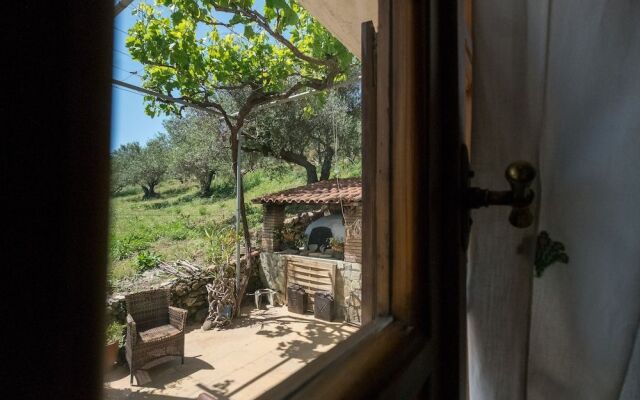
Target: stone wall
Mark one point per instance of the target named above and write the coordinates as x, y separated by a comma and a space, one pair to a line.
348, 289
187, 293
272, 273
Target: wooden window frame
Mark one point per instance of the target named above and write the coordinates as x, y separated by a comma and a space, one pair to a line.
413, 342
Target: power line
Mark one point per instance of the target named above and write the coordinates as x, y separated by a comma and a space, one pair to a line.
130, 91
130, 73
121, 69
122, 52
120, 30
163, 96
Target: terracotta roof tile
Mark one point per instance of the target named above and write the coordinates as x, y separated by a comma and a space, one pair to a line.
324, 192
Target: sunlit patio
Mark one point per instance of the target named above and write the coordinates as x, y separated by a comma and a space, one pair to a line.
257, 351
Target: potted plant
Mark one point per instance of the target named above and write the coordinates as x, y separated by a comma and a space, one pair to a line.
113, 341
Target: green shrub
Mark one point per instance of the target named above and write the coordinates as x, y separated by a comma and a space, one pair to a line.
147, 260
115, 333
253, 179
254, 214
223, 188
128, 245
221, 243
176, 230
347, 169
203, 210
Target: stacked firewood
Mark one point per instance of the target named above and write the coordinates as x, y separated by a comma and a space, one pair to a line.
222, 301
220, 292
183, 269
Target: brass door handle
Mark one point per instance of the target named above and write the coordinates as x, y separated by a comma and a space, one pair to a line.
520, 175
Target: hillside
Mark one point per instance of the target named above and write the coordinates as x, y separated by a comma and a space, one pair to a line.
182, 225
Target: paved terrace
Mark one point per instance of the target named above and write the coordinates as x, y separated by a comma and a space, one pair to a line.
257, 351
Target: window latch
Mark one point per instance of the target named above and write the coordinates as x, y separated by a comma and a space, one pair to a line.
520, 176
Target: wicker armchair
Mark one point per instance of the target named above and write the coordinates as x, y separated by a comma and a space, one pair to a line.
154, 328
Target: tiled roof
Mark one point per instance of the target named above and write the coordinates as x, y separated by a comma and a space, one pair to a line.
323, 192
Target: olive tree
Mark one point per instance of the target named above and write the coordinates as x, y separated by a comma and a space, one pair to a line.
121, 161
309, 132
199, 148
143, 166
196, 49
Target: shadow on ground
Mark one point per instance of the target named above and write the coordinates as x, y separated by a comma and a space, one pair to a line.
167, 373
315, 335
279, 343
118, 394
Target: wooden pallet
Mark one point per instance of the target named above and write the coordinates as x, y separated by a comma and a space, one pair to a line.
313, 275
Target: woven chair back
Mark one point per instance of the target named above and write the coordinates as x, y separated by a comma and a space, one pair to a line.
149, 308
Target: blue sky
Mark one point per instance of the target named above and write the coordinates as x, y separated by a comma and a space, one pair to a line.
129, 123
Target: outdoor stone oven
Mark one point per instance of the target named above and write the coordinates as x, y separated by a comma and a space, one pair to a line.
340, 219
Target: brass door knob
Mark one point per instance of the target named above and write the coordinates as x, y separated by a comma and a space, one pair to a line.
520, 175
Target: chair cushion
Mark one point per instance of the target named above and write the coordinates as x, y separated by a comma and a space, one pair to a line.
157, 333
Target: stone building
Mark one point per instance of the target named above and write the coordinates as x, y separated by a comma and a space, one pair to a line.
320, 250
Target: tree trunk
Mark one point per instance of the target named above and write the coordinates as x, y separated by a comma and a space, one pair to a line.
312, 172
149, 191
325, 171
246, 272
205, 184
289, 156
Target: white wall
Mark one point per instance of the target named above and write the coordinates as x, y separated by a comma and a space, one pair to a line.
343, 18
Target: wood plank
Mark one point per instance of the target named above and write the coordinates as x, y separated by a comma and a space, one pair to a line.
323, 280
311, 285
382, 233
313, 268
312, 263
309, 280
313, 276
310, 274
310, 271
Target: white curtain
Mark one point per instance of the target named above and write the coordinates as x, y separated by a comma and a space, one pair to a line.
557, 83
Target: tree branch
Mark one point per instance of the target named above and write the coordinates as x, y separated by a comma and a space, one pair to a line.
261, 21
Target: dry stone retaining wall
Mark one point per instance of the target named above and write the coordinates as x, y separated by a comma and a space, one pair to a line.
189, 293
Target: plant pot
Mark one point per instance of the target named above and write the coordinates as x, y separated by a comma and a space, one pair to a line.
110, 355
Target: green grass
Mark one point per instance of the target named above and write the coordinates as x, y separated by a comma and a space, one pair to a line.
174, 225
181, 225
